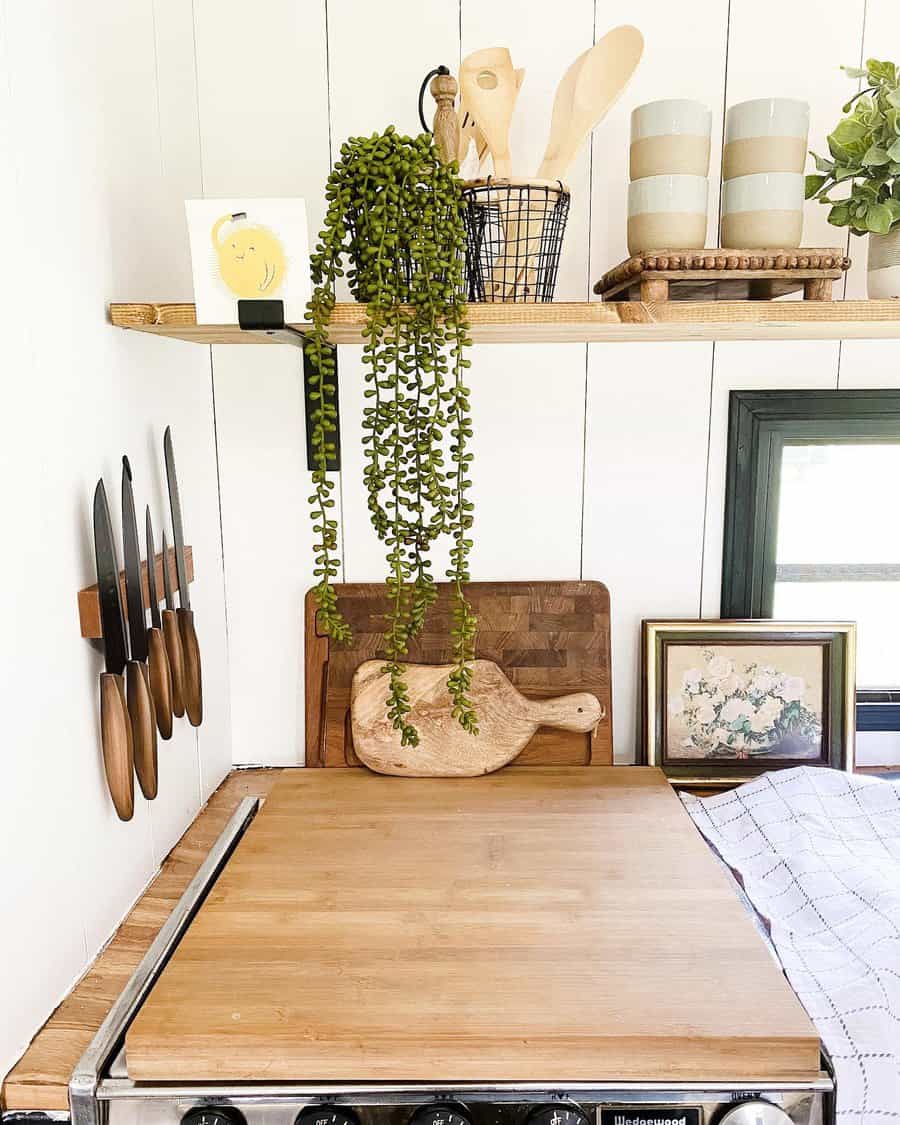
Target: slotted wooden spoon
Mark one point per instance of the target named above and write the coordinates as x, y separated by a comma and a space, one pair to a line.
488, 89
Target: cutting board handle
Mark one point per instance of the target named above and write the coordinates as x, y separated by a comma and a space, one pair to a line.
578, 712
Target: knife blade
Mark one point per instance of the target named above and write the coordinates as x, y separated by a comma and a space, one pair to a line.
172, 636
137, 675
115, 723
134, 594
158, 660
155, 619
193, 680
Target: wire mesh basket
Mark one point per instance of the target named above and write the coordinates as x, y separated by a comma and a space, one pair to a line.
514, 233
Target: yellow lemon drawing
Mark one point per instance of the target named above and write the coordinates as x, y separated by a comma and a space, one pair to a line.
251, 258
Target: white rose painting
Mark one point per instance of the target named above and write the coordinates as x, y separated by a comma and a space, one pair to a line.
744, 701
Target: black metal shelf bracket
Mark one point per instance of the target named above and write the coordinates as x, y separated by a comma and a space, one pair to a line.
266, 318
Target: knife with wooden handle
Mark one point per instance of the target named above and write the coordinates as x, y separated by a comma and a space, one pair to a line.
115, 722
193, 679
172, 636
137, 675
157, 658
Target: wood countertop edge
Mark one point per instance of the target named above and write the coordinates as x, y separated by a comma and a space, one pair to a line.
40, 1079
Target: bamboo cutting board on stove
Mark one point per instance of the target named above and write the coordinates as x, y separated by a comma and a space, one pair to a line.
549, 638
546, 925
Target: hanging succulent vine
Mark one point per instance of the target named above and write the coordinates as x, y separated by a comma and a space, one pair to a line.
393, 209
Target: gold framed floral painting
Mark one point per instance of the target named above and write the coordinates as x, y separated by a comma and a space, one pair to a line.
724, 701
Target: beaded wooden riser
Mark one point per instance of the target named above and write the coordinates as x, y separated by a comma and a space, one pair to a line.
724, 274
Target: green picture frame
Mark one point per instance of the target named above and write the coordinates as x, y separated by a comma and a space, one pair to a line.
760, 424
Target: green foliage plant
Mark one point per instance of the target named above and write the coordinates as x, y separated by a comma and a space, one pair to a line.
394, 213
864, 151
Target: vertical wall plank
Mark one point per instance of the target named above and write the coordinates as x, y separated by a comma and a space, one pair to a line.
528, 419
644, 480
180, 179
378, 55
262, 88
85, 172
756, 70
881, 41
412, 37
683, 58
648, 407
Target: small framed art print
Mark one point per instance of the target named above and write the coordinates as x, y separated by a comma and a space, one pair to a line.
724, 701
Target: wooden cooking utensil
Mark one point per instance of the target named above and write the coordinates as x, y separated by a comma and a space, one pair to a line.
507, 720
562, 103
469, 130
599, 81
487, 82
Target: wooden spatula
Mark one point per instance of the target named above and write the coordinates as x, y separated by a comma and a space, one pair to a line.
488, 89
586, 94
506, 721
469, 130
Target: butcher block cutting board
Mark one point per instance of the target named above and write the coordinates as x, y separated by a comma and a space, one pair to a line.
543, 924
550, 639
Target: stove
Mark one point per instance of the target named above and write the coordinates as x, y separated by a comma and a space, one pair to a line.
111, 1087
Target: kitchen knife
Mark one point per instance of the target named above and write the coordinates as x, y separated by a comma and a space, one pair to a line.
158, 660
115, 724
172, 636
193, 684
137, 675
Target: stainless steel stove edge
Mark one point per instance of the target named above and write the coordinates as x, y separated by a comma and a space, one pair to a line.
86, 1078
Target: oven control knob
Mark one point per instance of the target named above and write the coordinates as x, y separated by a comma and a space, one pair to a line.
326, 1115
438, 1114
558, 1115
213, 1115
754, 1111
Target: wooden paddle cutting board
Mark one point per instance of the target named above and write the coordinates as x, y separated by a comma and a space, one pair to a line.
549, 638
507, 720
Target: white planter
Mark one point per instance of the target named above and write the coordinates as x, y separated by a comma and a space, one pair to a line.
883, 278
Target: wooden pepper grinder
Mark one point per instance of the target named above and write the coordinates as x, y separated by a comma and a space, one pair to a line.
446, 128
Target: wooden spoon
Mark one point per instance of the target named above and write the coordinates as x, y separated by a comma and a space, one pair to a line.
506, 721
469, 131
585, 97
488, 89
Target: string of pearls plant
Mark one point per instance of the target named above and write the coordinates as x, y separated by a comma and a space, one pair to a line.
394, 212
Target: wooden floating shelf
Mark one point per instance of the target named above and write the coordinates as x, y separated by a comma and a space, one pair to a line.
560, 322
89, 602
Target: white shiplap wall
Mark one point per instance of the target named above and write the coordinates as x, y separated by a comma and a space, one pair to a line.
602, 462
95, 166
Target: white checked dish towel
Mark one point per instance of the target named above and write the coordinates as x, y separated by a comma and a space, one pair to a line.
818, 854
